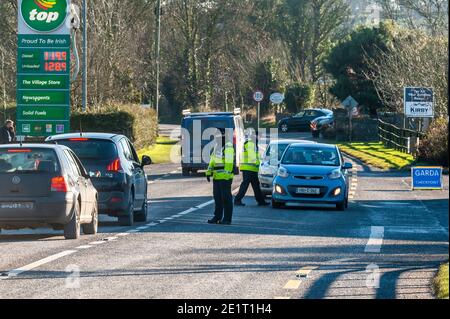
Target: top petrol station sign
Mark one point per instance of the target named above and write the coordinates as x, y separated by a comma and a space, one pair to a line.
43, 67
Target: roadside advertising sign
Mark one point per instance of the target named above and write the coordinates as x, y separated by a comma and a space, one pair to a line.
426, 178
43, 68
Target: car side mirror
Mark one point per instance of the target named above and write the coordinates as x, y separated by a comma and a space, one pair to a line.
347, 165
146, 160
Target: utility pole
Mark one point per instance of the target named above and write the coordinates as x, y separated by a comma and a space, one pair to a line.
158, 52
84, 79
4, 84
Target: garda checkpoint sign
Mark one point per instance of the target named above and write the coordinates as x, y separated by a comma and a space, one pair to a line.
43, 67
419, 102
427, 178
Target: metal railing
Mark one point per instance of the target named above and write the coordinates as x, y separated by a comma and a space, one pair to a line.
400, 139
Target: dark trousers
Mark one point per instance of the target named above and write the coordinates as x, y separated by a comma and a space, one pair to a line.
250, 178
223, 200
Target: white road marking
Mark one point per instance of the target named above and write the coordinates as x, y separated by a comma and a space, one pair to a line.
111, 238
84, 247
123, 234
376, 240
39, 263
97, 242
205, 204
132, 231
152, 224
142, 228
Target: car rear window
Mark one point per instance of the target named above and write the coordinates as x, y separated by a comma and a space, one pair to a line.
209, 123
311, 156
28, 160
91, 149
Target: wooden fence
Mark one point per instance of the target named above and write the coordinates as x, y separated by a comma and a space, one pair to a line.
403, 140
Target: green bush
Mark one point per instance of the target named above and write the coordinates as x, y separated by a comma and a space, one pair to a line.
433, 148
137, 123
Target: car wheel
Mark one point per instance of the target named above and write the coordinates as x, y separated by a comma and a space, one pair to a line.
92, 227
141, 216
72, 229
315, 134
128, 219
276, 204
341, 206
186, 172
284, 128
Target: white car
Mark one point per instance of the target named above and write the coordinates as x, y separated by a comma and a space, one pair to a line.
270, 160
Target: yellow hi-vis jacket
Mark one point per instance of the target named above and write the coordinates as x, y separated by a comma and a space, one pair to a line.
250, 157
221, 164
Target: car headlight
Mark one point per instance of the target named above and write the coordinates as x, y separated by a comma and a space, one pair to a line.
335, 174
282, 172
266, 170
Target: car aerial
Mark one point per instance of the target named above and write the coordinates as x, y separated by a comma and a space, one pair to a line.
193, 154
301, 121
115, 170
320, 124
269, 163
311, 174
46, 185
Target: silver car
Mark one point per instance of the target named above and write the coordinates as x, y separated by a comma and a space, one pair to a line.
270, 160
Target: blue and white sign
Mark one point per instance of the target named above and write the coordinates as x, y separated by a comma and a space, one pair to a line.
277, 98
419, 102
426, 177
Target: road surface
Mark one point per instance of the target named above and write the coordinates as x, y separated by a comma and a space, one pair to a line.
388, 244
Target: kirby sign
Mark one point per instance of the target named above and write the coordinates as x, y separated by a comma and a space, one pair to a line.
44, 15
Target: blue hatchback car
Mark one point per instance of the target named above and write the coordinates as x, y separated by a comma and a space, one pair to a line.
312, 174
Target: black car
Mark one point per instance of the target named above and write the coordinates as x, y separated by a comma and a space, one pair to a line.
115, 170
302, 120
46, 185
321, 124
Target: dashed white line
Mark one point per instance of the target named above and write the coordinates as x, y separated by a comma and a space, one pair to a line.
84, 247
293, 284
39, 263
100, 242
376, 240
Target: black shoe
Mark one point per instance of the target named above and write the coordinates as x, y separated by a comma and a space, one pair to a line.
263, 204
225, 222
239, 203
214, 221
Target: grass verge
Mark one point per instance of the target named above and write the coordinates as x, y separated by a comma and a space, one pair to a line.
376, 154
160, 152
441, 282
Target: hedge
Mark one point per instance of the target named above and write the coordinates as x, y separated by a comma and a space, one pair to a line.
137, 123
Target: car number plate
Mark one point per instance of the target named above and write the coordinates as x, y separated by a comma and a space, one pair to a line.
308, 191
5, 205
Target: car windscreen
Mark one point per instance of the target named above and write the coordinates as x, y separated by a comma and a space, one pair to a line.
275, 152
311, 156
25, 160
91, 149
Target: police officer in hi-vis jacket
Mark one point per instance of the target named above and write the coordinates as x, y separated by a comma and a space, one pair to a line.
221, 169
250, 167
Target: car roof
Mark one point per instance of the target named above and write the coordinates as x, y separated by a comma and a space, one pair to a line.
32, 145
100, 136
277, 142
315, 145
210, 116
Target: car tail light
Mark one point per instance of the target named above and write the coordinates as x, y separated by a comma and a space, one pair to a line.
79, 139
234, 138
59, 184
19, 151
115, 166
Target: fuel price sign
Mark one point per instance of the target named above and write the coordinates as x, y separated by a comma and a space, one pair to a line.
43, 68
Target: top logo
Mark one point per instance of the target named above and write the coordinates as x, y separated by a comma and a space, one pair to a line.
44, 15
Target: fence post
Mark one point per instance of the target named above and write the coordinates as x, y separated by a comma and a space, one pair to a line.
409, 145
